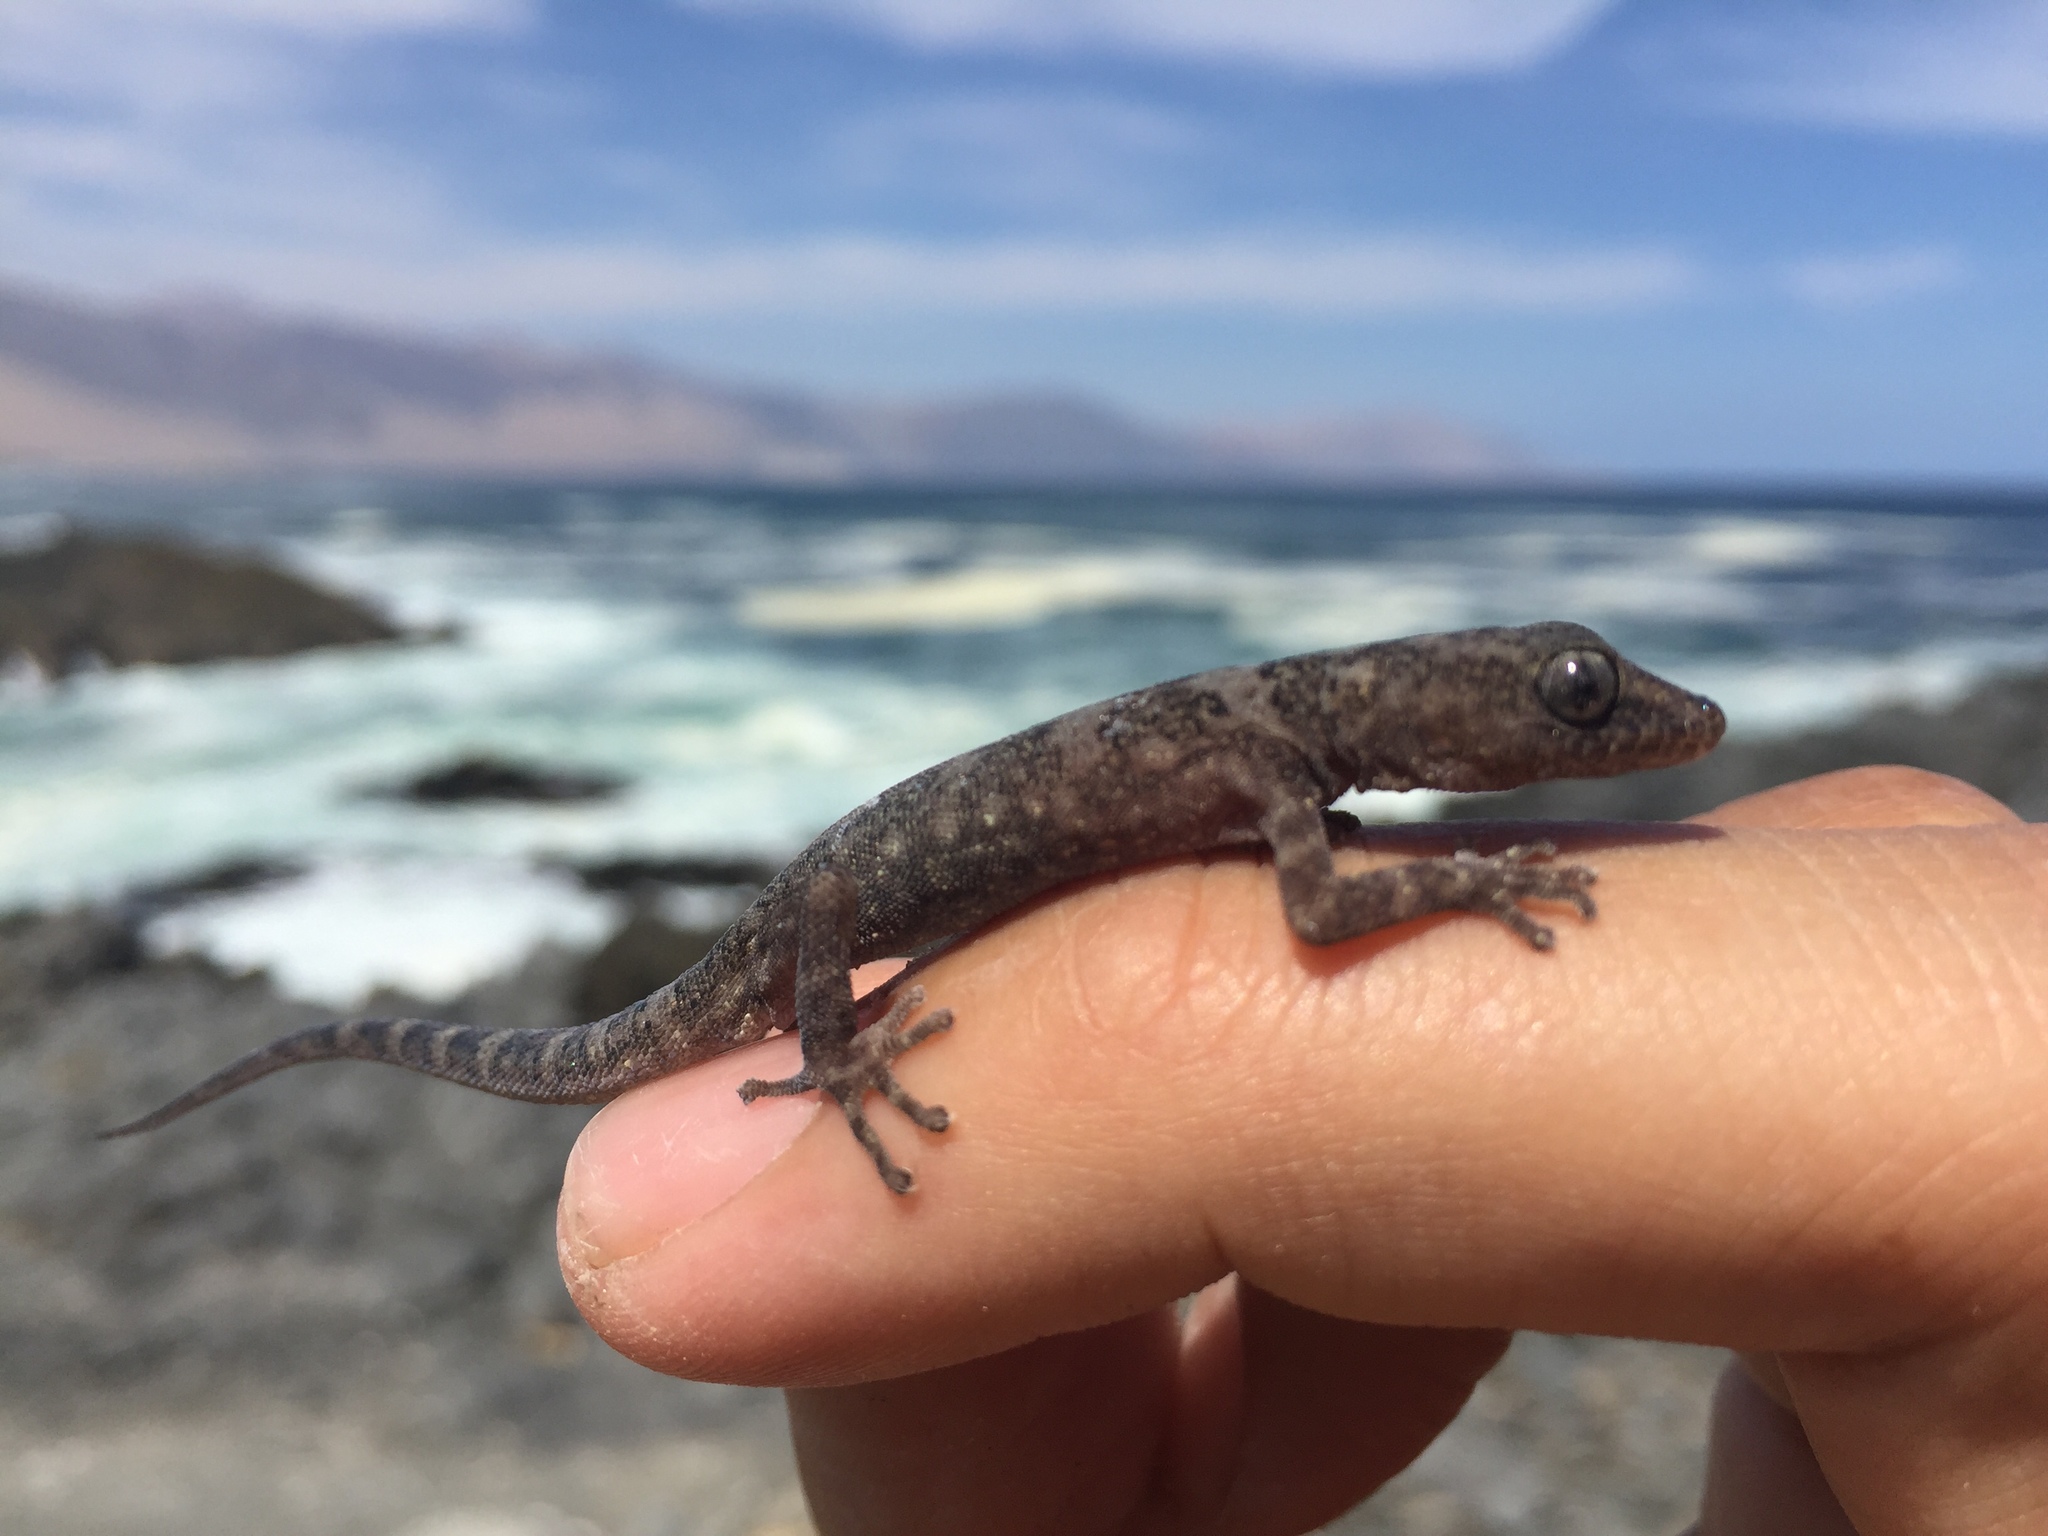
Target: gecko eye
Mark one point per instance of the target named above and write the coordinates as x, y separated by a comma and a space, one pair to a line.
1579, 687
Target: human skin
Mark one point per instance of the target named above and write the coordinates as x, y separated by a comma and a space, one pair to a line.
1788, 1094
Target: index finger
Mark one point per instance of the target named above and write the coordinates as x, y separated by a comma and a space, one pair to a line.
1685, 1123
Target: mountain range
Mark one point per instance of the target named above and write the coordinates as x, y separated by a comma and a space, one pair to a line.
213, 385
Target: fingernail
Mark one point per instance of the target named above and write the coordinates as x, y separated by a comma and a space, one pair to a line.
652, 1162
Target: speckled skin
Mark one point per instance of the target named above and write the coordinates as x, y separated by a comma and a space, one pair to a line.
1235, 757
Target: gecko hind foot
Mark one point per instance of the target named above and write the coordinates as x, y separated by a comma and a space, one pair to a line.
861, 1065
1499, 882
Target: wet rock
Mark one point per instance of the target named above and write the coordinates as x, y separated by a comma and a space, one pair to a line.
231, 877
629, 874
91, 600
44, 957
480, 777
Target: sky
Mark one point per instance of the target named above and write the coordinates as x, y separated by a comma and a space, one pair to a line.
1663, 238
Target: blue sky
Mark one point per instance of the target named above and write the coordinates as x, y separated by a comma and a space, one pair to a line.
1661, 237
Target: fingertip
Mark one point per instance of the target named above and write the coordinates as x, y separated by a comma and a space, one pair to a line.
656, 1159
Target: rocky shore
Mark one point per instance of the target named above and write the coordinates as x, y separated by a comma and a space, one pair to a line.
84, 600
330, 1305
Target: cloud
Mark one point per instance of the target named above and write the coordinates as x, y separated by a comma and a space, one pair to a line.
1349, 37
208, 121
327, 18
216, 153
1344, 275
1962, 66
1017, 153
476, 281
204, 57
241, 178
1872, 278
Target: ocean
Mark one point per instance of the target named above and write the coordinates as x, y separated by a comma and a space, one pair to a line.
754, 662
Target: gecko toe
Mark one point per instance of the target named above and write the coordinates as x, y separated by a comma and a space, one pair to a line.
848, 1068
937, 1022
1500, 882
777, 1088
928, 1117
899, 1179
1537, 935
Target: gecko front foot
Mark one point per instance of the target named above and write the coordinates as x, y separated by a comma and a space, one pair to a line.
1495, 884
851, 1068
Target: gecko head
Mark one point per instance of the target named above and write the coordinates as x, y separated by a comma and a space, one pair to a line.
1493, 708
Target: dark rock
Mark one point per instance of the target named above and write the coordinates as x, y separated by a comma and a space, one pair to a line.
646, 954
231, 877
44, 957
481, 777
294, 1236
1588, 1436
1995, 738
632, 874
88, 600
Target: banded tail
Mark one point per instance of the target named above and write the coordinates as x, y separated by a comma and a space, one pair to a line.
584, 1064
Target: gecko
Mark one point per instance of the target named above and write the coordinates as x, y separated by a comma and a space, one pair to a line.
1242, 757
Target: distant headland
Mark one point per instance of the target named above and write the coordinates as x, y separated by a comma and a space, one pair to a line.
211, 386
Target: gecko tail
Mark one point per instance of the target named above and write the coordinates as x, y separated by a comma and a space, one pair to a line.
552, 1066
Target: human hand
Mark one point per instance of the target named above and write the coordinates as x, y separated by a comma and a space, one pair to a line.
1788, 1094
